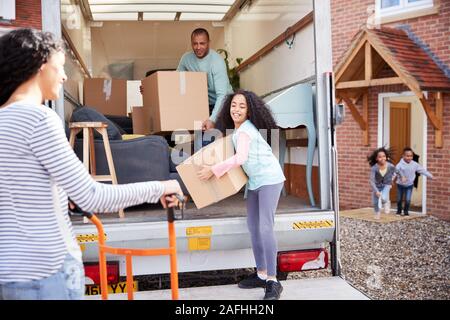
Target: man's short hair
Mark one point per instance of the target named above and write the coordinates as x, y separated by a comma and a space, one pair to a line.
199, 31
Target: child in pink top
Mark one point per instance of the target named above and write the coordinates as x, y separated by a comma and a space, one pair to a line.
247, 113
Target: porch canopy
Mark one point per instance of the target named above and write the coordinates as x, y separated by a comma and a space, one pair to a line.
387, 56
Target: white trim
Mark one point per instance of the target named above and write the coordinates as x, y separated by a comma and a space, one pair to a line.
4, 30
401, 8
424, 162
381, 140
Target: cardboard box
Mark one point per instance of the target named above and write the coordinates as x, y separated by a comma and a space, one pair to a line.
215, 189
139, 117
108, 97
176, 100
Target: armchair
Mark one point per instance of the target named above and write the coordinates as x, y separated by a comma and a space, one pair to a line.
135, 160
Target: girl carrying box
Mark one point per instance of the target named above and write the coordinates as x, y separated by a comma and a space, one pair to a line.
247, 113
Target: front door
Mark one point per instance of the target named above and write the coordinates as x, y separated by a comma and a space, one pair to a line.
399, 133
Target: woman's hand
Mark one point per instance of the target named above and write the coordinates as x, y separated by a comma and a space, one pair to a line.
171, 187
378, 194
205, 173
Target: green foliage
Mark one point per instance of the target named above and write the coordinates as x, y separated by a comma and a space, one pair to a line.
233, 75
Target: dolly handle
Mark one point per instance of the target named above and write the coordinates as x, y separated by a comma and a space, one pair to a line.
170, 214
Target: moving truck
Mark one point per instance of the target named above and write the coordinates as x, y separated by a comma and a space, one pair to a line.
283, 45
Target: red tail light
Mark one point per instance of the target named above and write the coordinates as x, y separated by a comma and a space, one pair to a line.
92, 271
289, 261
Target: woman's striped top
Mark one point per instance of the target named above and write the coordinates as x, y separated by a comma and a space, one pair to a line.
38, 171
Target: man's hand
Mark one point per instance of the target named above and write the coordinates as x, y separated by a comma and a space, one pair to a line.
404, 179
207, 125
378, 194
205, 173
141, 89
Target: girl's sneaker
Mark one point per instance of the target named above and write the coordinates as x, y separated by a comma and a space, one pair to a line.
273, 290
377, 215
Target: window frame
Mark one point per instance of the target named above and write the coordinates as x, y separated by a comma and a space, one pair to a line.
403, 7
404, 10
7, 10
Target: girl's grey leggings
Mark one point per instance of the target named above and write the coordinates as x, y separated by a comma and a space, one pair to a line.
261, 206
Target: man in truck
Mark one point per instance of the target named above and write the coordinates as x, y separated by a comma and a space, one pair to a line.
204, 59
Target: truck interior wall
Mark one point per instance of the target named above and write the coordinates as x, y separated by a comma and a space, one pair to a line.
147, 45
78, 29
256, 26
72, 86
252, 29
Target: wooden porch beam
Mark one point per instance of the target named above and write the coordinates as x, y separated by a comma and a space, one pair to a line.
407, 79
359, 119
368, 62
369, 83
365, 115
434, 119
349, 59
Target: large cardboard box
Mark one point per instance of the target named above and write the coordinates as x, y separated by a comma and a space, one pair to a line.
215, 189
176, 100
107, 96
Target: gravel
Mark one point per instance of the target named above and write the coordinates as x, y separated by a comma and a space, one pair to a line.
403, 260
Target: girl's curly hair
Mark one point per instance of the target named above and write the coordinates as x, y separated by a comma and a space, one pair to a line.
372, 158
258, 113
22, 53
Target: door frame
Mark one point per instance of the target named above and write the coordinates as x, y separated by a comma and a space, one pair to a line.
383, 133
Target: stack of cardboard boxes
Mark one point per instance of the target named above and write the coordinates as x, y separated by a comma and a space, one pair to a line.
172, 101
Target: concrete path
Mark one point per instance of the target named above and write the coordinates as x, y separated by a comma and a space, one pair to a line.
329, 288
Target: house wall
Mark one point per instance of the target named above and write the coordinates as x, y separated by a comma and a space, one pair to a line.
434, 31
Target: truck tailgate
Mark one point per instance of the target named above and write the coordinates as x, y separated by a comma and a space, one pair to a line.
206, 244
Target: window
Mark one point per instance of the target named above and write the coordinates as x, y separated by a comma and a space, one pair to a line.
391, 10
7, 10
396, 6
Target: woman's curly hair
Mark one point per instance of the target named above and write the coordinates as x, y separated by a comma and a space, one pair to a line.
258, 113
22, 53
372, 158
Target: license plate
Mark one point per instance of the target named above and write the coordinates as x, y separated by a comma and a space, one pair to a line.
120, 287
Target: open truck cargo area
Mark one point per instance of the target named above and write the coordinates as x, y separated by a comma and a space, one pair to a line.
285, 53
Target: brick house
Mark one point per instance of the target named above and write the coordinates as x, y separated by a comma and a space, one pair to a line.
392, 66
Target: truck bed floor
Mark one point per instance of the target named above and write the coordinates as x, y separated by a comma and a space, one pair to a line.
234, 206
